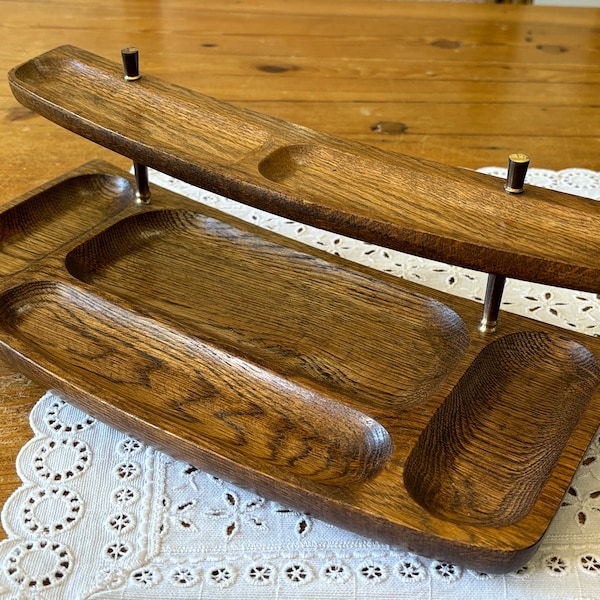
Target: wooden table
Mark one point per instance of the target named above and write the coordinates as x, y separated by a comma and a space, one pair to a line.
457, 83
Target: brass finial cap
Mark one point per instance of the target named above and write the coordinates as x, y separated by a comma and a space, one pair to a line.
131, 64
518, 163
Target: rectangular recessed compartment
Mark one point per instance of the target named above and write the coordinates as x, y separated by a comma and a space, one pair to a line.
315, 382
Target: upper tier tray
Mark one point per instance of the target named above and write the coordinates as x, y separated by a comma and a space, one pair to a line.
371, 402
433, 210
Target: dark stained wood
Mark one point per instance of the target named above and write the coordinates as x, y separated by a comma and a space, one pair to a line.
485, 432
465, 86
417, 206
313, 381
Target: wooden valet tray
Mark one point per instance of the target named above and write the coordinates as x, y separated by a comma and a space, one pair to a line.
371, 402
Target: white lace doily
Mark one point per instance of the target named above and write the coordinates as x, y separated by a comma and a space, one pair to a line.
100, 515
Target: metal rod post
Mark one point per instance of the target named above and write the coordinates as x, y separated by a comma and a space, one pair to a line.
491, 304
142, 192
131, 68
515, 180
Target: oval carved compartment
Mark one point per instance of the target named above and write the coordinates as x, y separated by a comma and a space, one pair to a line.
491, 445
191, 389
299, 315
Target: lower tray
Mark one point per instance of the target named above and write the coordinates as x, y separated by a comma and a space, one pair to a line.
309, 379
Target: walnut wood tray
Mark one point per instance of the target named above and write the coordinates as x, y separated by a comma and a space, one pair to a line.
374, 403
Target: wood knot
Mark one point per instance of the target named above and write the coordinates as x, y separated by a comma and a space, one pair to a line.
552, 48
277, 68
446, 44
390, 127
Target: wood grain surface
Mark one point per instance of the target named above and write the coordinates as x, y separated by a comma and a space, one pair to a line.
327, 387
464, 85
396, 201
449, 469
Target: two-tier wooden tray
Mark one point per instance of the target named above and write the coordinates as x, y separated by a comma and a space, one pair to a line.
374, 403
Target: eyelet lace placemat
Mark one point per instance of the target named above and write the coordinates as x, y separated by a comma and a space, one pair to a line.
100, 515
